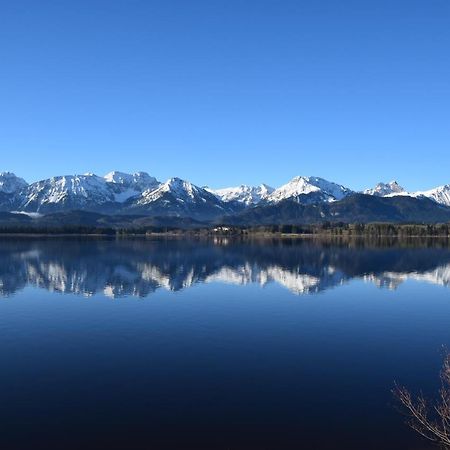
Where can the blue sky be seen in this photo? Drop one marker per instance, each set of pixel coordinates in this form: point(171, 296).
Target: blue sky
point(228, 92)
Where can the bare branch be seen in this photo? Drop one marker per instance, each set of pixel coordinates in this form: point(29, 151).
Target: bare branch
point(431, 421)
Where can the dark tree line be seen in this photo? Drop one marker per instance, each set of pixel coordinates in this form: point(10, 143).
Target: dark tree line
point(326, 228)
point(359, 229)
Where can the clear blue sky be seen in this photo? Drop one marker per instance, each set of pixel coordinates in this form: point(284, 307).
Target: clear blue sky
point(227, 92)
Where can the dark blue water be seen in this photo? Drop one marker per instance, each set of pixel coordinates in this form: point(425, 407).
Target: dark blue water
point(183, 344)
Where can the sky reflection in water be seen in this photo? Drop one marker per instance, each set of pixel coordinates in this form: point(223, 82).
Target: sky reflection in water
point(211, 359)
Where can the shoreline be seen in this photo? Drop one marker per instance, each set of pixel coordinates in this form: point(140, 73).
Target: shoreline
point(247, 235)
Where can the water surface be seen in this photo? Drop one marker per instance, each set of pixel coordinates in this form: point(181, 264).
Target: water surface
point(195, 344)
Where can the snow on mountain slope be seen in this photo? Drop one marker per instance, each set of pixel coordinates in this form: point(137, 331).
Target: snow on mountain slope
point(181, 190)
point(138, 180)
point(179, 198)
point(10, 183)
point(309, 189)
point(127, 185)
point(86, 191)
point(386, 189)
point(72, 191)
point(440, 194)
point(247, 195)
point(119, 192)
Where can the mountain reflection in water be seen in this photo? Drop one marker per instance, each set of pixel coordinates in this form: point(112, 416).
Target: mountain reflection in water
point(138, 267)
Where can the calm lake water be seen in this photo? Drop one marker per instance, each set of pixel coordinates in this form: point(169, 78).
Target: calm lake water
point(184, 344)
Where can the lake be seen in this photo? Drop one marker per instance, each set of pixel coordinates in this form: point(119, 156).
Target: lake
point(217, 344)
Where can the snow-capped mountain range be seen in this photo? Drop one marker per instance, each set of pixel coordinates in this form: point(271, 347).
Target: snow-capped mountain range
point(140, 193)
point(440, 195)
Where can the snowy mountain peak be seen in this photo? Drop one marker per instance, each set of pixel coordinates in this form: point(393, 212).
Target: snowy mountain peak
point(440, 194)
point(117, 177)
point(181, 189)
point(313, 187)
point(247, 195)
point(175, 181)
point(126, 186)
point(10, 183)
point(177, 197)
point(385, 189)
point(128, 180)
point(179, 186)
point(74, 191)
